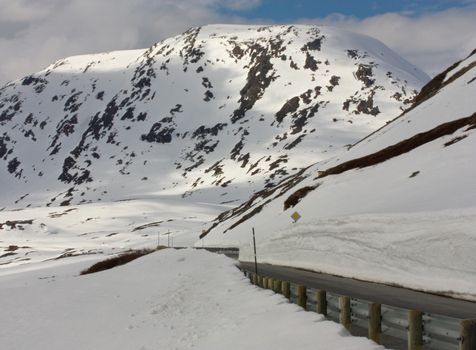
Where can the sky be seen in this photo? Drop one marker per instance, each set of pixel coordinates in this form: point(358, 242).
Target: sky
point(432, 34)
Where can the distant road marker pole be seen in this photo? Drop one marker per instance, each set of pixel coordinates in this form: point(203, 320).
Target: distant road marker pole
point(254, 245)
point(168, 238)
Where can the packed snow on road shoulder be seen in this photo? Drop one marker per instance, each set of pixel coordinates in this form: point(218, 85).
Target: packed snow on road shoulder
point(172, 299)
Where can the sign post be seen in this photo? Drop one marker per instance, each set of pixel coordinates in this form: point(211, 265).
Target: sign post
point(254, 245)
point(168, 238)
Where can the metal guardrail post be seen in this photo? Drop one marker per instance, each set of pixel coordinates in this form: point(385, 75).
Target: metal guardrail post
point(436, 331)
point(375, 322)
point(277, 286)
point(270, 283)
point(286, 289)
point(344, 314)
point(321, 298)
point(301, 296)
point(415, 330)
point(468, 335)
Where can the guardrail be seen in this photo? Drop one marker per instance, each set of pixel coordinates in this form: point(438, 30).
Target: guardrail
point(230, 252)
point(387, 325)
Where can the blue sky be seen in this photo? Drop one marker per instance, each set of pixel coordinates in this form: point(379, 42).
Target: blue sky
point(289, 10)
point(431, 34)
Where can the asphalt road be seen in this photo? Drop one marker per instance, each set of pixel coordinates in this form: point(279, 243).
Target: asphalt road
point(375, 292)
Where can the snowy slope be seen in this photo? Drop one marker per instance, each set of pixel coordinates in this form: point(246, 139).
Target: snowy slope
point(217, 112)
point(167, 300)
point(397, 207)
point(33, 235)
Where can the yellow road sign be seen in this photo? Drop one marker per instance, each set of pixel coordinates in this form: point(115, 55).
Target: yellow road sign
point(295, 216)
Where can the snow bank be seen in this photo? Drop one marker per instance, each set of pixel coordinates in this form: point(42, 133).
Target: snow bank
point(431, 251)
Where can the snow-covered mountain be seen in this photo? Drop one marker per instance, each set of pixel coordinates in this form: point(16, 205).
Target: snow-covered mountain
point(218, 112)
point(106, 152)
point(399, 206)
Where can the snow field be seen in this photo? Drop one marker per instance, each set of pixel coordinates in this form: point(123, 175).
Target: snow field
point(172, 299)
point(395, 249)
point(99, 228)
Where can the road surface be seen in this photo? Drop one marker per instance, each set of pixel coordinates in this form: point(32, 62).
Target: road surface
point(375, 292)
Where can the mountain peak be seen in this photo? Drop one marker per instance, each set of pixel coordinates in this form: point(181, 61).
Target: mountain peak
point(218, 112)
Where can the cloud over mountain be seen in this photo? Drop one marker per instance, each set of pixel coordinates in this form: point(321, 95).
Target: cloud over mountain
point(34, 33)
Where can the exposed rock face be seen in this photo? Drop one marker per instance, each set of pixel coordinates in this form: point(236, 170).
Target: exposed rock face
point(217, 107)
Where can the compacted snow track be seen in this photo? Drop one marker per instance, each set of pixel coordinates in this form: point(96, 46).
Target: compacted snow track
point(171, 299)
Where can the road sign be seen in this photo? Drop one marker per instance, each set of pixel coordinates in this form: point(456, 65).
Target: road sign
point(295, 216)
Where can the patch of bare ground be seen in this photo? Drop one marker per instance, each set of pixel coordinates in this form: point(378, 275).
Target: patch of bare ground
point(14, 260)
point(15, 224)
point(455, 140)
point(438, 82)
point(55, 215)
point(403, 146)
point(387, 153)
point(122, 259)
point(294, 199)
point(69, 252)
point(142, 227)
point(11, 250)
point(429, 90)
point(433, 86)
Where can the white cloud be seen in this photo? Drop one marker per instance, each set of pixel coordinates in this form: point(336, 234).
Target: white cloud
point(431, 41)
point(34, 33)
point(23, 10)
point(242, 4)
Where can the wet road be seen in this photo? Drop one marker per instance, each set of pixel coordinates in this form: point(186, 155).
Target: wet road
point(375, 292)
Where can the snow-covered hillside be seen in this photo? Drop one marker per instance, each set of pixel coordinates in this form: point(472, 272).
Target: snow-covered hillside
point(218, 111)
point(397, 207)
